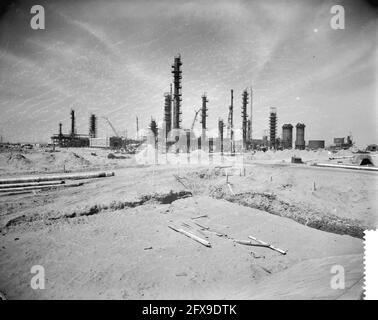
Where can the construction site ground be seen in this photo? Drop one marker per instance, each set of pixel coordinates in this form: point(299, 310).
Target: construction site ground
point(110, 238)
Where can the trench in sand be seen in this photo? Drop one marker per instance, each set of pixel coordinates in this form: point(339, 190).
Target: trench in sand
point(271, 203)
point(309, 217)
point(161, 198)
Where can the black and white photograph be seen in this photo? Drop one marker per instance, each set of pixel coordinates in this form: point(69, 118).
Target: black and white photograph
point(187, 150)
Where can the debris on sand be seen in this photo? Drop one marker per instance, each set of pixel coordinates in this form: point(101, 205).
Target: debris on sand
point(198, 217)
point(268, 245)
point(113, 156)
point(192, 236)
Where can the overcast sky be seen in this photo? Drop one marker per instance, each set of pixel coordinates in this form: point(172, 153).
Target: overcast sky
point(113, 58)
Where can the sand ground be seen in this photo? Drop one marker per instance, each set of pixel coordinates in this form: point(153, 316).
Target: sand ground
point(110, 238)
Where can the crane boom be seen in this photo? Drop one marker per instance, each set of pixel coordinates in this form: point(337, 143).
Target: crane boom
point(195, 118)
point(110, 124)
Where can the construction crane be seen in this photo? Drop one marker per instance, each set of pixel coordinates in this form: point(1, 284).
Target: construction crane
point(195, 118)
point(110, 124)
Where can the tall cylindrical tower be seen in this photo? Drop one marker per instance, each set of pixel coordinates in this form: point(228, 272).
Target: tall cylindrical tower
point(168, 112)
point(73, 129)
point(177, 76)
point(287, 136)
point(272, 127)
point(220, 134)
point(93, 126)
point(300, 136)
point(244, 117)
point(204, 110)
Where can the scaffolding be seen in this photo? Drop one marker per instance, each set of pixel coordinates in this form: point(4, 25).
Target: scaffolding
point(177, 77)
point(244, 117)
point(273, 128)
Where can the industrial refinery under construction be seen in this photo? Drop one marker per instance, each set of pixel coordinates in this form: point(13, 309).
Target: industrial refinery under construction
point(225, 171)
point(168, 193)
point(171, 130)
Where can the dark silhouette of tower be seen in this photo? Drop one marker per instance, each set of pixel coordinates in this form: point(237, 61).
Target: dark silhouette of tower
point(204, 110)
point(230, 124)
point(177, 77)
point(273, 127)
point(93, 126)
point(167, 112)
point(244, 117)
point(220, 134)
point(73, 129)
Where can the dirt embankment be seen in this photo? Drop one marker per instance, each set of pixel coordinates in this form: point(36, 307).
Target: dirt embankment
point(60, 160)
point(61, 213)
point(290, 192)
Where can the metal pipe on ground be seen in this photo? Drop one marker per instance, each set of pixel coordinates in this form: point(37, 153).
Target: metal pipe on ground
point(340, 166)
point(53, 186)
point(73, 176)
point(30, 184)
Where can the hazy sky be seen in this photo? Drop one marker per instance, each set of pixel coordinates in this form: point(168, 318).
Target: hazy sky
point(113, 58)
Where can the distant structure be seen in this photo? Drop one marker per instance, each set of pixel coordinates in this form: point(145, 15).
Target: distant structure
point(60, 129)
point(249, 134)
point(73, 139)
point(203, 122)
point(272, 127)
point(250, 119)
point(73, 124)
point(300, 134)
point(93, 126)
point(137, 127)
point(372, 147)
point(265, 139)
point(177, 77)
point(204, 110)
point(230, 123)
point(287, 136)
point(220, 134)
point(244, 116)
point(340, 143)
point(168, 112)
point(316, 144)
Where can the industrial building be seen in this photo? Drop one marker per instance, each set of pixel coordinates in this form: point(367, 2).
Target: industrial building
point(172, 130)
point(73, 139)
point(340, 143)
point(316, 144)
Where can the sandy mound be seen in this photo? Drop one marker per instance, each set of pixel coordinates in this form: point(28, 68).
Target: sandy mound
point(19, 161)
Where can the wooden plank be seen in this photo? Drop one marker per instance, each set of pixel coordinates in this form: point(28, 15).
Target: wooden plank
point(192, 236)
point(203, 216)
point(268, 245)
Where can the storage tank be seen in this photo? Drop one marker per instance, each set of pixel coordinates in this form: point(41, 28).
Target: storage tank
point(300, 134)
point(287, 136)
